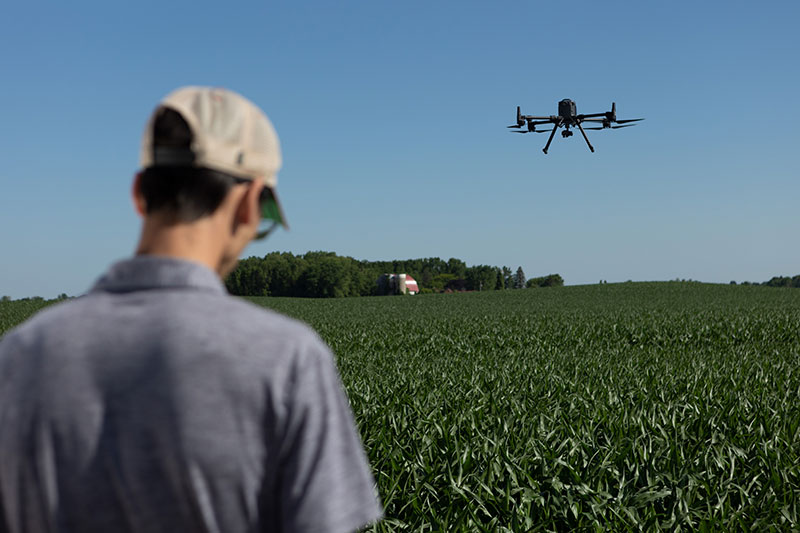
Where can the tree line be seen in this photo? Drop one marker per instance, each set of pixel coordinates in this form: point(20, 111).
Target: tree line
point(778, 281)
point(327, 275)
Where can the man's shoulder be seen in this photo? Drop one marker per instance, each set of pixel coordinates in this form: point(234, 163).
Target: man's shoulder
point(245, 331)
point(252, 319)
point(232, 319)
point(255, 329)
point(52, 314)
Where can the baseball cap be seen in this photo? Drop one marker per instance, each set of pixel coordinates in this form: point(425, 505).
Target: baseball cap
point(230, 134)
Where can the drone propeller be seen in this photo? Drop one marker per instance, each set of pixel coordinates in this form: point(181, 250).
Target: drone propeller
point(514, 126)
point(628, 120)
point(612, 127)
point(529, 131)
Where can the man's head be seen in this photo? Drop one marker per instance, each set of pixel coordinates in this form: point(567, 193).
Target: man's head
point(209, 169)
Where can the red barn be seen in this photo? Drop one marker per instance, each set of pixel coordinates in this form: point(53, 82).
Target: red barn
point(397, 284)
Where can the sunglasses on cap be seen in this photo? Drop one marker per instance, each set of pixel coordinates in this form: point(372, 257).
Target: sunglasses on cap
point(271, 214)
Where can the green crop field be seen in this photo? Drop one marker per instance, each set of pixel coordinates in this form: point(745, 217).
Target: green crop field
point(14, 312)
point(624, 407)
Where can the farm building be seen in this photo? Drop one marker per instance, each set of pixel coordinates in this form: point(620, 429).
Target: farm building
point(397, 284)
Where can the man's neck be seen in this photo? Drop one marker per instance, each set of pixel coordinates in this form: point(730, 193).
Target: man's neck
point(197, 241)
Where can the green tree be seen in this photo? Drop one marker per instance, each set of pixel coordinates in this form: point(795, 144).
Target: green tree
point(456, 267)
point(551, 280)
point(427, 277)
point(519, 279)
point(440, 281)
point(481, 278)
point(507, 278)
point(779, 281)
point(324, 277)
point(285, 269)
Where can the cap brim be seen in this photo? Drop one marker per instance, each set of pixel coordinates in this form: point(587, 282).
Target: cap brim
point(271, 207)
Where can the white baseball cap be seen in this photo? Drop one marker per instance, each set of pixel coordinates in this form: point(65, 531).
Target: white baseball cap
point(230, 134)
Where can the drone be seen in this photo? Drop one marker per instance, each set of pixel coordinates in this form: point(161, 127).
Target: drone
point(568, 116)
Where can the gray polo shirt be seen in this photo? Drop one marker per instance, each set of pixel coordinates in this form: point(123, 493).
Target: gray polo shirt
point(160, 403)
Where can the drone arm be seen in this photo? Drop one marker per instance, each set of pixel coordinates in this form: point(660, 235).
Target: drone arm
point(585, 137)
point(552, 134)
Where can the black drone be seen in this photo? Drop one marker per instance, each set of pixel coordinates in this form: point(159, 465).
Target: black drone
point(568, 116)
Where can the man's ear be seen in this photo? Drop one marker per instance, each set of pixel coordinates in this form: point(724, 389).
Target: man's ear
point(249, 211)
point(136, 194)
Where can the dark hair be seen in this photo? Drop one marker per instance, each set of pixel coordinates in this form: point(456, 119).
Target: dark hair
point(184, 192)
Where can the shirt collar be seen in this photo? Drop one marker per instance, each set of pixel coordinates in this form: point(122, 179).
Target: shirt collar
point(143, 272)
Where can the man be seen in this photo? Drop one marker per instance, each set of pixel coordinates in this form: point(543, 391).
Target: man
point(157, 402)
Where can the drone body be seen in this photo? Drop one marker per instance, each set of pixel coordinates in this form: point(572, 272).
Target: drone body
point(567, 117)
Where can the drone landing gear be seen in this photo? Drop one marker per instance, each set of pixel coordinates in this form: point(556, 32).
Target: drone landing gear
point(585, 137)
point(552, 134)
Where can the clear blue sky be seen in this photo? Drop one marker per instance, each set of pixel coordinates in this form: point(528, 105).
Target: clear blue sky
point(392, 117)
